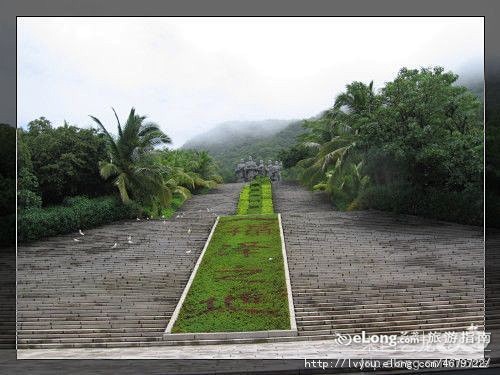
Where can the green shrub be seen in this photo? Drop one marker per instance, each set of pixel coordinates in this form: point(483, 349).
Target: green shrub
point(75, 213)
point(256, 197)
point(243, 202)
point(267, 198)
point(177, 201)
point(461, 207)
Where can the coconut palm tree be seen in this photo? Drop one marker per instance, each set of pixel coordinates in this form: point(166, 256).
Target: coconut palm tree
point(132, 160)
point(358, 99)
point(335, 166)
point(191, 169)
point(334, 139)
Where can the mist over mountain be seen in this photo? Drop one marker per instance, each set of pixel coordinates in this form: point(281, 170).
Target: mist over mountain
point(472, 77)
point(236, 130)
point(233, 140)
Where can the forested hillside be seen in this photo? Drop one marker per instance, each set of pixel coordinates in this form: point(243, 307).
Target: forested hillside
point(229, 142)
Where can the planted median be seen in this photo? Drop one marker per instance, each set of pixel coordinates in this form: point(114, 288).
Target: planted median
point(240, 283)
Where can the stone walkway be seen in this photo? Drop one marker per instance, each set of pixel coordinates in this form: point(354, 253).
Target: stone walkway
point(350, 271)
point(89, 294)
point(283, 350)
point(372, 271)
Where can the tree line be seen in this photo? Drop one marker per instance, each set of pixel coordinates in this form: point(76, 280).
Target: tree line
point(57, 164)
point(414, 146)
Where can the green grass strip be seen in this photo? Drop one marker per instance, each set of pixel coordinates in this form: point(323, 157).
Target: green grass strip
point(243, 202)
point(267, 198)
point(240, 284)
point(256, 198)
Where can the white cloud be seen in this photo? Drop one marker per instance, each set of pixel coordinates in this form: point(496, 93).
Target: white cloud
point(188, 74)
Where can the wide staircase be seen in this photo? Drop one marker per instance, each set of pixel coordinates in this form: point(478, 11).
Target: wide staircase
point(91, 293)
point(372, 271)
point(349, 271)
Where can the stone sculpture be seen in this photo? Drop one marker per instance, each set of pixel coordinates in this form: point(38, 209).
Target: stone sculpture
point(261, 168)
point(250, 169)
point(240, 171)
point(247, 171)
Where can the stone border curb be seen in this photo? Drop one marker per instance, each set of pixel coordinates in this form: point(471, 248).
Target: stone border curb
point(229, 335)
point(291, 307)
point(177, 310)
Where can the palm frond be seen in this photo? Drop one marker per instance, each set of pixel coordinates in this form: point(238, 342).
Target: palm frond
point(120, 133)
point(108, 169)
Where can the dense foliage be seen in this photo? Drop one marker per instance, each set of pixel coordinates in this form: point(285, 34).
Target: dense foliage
point(57, 163)
point(76, 213)
point(64, 160)
point(416, 146)
point(148, 175)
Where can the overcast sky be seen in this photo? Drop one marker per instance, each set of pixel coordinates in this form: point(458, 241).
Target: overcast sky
point(189, 74)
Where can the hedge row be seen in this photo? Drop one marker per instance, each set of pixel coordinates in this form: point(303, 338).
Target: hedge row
point(463, 207)
point(256, 198)
point(267, 197)
point(75, 213)
point(243, 201)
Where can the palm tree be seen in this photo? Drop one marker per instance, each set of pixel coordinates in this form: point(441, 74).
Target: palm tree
point(334, 140)
point(191, 169)
point(336, 166)
point(358, 99)
point(132, 160)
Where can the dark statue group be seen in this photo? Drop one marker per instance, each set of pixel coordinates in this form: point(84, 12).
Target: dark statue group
point(247, 170)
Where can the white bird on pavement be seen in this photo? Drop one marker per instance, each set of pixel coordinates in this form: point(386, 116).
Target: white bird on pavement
point(187, 252)
point(138, 219)
point(177, 217)
point(165, 222)
point(129, 239)
point(472, 327)
point(114, 246)
point(189, 231)
point(76, 240)
point(81, 233)
point(208, 209)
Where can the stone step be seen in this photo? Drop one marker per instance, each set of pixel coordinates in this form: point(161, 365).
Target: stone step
point(373, 323)
point(387, 317)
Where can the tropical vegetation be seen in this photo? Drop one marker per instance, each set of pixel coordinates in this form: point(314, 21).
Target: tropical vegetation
point(66, 172)
point(414, 146)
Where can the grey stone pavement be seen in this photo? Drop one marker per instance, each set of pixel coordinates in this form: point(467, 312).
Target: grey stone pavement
point(377, 272)
point(93, 293)
point(350, 271)
point(284, 350)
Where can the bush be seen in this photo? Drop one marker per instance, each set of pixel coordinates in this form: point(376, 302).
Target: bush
point(177, 201)
point(243, 202)
point(461, 207)
point(75, 213)
point(256, 197)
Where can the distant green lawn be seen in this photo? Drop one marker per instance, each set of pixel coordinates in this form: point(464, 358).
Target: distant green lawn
point(240, 284)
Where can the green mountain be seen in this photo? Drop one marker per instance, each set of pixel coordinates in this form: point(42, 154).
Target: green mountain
point(231, 141)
